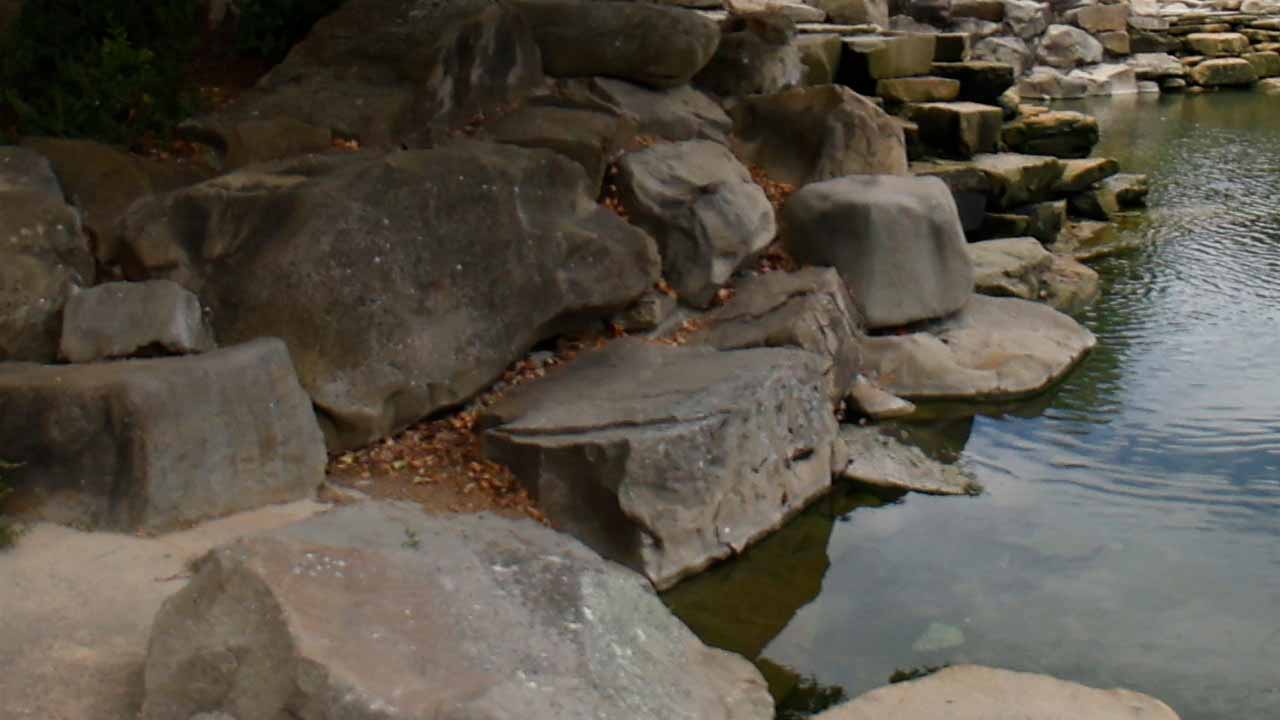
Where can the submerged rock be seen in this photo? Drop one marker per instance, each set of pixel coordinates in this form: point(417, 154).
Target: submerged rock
point(376, 611)
point(875, 458)
point(938, 636)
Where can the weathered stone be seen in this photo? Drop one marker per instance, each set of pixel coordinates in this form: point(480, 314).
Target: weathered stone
point(1111, 196)
point(43, 257)
point(1002, 225)
point(896, 241)
point(1144, 41)
point(811, 134)
point(1050, 83)
point(918, 89)
point(1270, 86)
point(1265, 64)
point(657, 46)
point(1010, 101)
point(977, 28)
point(1019, 179)
point(980, 81)
point(874, 402)
point(1156, 66)
point(1060, 133)
point(680, 113)
point(378, 271)
point(127, 445)
point(1022, 268)
point(1086, 240)
point(989, 10)
point(1224, 71)
point(1011, 51)
point(820, 56)
point(868, 58)
point(970, 692)
point(1027, 19)
point(882, 461)
point(1078, 175)
point(951, 47)
point(1066, 47)
point(969, 188)
point(1173, 85)
point(1100, 18)
point(1217, 44)
point(810, 309)
point(855, 12)
point(1115, 42)
point(370, 612)
point(1108, 79)
point(120, 319)
point(1044, 219)
point(958, 129)
point(658, 458)
point(996, 348)
point(593, 138)
point(757, 54)
point(648, 313)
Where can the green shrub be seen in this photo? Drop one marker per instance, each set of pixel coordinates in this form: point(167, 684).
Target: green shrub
point(269, 28)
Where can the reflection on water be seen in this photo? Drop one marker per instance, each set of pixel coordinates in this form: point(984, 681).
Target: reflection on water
point(1130, 534)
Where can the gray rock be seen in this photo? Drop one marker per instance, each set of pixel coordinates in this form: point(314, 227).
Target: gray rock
point(1049, 83)
point(43, 257)
point(1111, 196)
point(875, 402)
point(1097, 19)
point(809, 309)
point(980, 81)
point(1115, 42)
point(379, 271)
point(757, 54)
point(1086, 240)
point(996, 348)
point(659, 458)
point(1107, 79)
point(648, 313)
point(1078, 175)
point(377, 611)
point(969, 692)
point(155, 444)
point(1044, 219)
point(703, 208)
point(1060, 133)
point(680, 113)
point(658, 46)
point(970, 187)
point(1012, 51)
point(896, 241)
point(1022, 268)
point(818, 133)
point(921, 89)
point(1156, 66)
point(1025, 18)
point(977, 28)
point(882, 461)
point(1216, 44)
point(856, 12)
point(122, 319)
point(1018, 180)
point(1224, 71)
point(958, 129)
point(1065, 47)
point(591, 137)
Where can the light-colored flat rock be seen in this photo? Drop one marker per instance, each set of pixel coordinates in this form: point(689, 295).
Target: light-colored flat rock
point(882, 461)
point(877, 403)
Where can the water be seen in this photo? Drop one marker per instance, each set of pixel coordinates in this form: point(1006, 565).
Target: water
point(1130, 535)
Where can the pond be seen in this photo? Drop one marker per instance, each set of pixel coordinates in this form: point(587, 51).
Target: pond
point(1130, 532)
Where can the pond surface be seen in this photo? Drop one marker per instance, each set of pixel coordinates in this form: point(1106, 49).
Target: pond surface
point(1130, 532)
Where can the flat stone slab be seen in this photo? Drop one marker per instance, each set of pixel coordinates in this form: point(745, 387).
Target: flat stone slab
point(876, 403)
point(378, 611)
point(971, 692)
point(78, 609)
point(1022, 268)
point(995, 348)
point(123, 319)
point(877, 459)
point(664, 458)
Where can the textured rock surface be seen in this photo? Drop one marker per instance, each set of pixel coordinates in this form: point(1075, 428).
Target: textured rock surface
point(868, 58)
point(980, 81)
point(680, 113)
point(702, 207)
point(1063, 46)
point(122, 319)
point(1107, 79)
point(1026, 18)
point(820, 56)
point(1018, 180)
point(882, 461)
point(127, 445)
point(818, 133)
point(591, 137)
point(970, 692)
point(1051, 83)
point(958, 129)
point(876, 403)
point(996, 348)
point(1060, 133)
point(43, 257)
point(1111, 196)
point(1022, 268)
point(1216, 44)
point(373, 611)
point(918, 89)
point(1224, 71)
point(856, 12)
point(1012, 51)
point(658, 457)
point(379, 271)
point(757, 54)
point(1078, 175)
point(896, 241)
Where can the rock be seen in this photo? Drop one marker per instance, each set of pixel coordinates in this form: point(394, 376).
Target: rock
point(1109, 79)
point(1010, 101)
point(370, 611)
point(922, 89)
point(820, 56)
point(1086, 240)
point(1115, 42)
point(970, 692)
point(702, 207)
point(1270, 86)
point(1143, 41)
point(1070, 286)
point(43, 258)
point(1111, 196)
point(978, 29)
point(969, 188)
point(1097, 19)
point(951, 47)
point(938, 637)
point(855, 12)
point(1217, 44)
point(868, 58)
point(1050, 83)
point(593, 138)
point(1173, 85)
point(996, 348)
point(874, 402)
point(1065, 47)
point(658, 458)
point(980, 81)
point(958, 129)
point(379, 271)
point(1011, 51)
point(757, 54)
point(882, 461)
point(1003, 225)
point(1156, 66)
point(1078, 175)
point(1022, 268)
point(648, 313)
point(1148, 87)
point(810, 309)
point(649, 44)
point(120, 319)
point(1019, 179)
point(1044, 219)
point(1025, 18)
point(126, 445)
point(812, 134)
point(384, 72)
point(1060, 133)
point(989, 10)
point(680, 113)
point(896, 241)
point(1265, 64)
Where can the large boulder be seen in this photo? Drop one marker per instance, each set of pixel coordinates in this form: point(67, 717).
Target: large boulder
point(659, 458)
point(970, 692)
point(646, 43)
point(1026, 18)
point(1216, 44)
point(1044, 82)
point(1012, 51)
point(810, 309)
point(995, 349)
point(680, 113)
point(702, 207)
point(1224, 71)
point(45, 256)
point(817, 133)
point(1060, 133)
point(1065, 47)
point(757, 54)
point(386, 73)
point(593, 137)
point(120, 319)
point(377, 611)
point(1097, 19)
point(379, 271)
point(156, 444)
point(896, 241)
